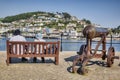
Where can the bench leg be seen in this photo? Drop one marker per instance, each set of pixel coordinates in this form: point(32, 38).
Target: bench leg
point(8, 61)
point(56, 60)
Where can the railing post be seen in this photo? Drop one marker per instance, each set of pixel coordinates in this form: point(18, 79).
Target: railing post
point(111, 41)
point(61, 42)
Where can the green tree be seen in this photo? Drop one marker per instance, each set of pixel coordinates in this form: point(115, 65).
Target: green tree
point(118, 27)
point(86, 21)
point(66, 15)
point(116, 30)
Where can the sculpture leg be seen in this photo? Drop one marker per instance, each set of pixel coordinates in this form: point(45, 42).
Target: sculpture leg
point(76, 60)
point(84, 63)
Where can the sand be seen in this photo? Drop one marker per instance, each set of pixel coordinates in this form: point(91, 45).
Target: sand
point(49, 71)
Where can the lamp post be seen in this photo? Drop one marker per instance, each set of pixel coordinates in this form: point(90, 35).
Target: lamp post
point(61, 41)
point(111, 41)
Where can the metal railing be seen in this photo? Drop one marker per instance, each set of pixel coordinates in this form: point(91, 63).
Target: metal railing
point(111, 41)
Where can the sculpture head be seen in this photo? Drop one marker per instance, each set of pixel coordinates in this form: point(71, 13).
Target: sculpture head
point(91, 31)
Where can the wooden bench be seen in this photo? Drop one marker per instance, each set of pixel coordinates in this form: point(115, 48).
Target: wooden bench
point(32, 49)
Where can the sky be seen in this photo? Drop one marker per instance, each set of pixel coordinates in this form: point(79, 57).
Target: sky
point(103, 12)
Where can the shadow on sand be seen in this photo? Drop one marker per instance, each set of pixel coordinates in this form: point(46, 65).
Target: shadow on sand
point(30, 60)
point(90, 63)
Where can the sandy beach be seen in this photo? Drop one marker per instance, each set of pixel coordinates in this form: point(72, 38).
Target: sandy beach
point(49, 71)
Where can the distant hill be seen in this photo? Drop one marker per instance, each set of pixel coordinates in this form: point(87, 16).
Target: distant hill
point(30, 14)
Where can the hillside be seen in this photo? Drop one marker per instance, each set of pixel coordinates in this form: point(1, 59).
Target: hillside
point(35, 14)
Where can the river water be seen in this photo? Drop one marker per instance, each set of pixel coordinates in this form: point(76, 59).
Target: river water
point(67, 45)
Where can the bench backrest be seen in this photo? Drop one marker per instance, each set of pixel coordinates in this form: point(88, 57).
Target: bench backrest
point(19, 47)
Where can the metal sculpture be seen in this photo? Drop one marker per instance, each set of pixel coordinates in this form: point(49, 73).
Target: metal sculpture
point(86, 52)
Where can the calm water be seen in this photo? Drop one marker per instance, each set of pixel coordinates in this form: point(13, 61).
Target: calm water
point(67, 45)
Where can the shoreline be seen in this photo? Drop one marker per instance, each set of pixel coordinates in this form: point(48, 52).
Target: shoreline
point(71, 42)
